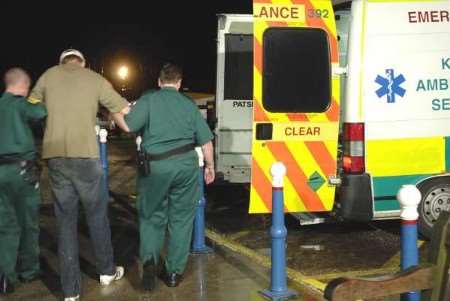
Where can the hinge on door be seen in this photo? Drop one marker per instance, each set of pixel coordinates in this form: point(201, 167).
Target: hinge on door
point(337, 70)
point(334, 180)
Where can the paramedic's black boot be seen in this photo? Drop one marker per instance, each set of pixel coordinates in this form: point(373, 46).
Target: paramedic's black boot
point(6, 287)
point(170, 279)
point(149, 275)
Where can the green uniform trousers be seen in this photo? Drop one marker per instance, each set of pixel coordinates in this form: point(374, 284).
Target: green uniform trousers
point(167, 199)
point(19, 224)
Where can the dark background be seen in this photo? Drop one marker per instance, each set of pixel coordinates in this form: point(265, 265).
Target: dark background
point(185, 35)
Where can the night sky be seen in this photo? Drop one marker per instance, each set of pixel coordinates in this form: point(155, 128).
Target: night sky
point(185, 36)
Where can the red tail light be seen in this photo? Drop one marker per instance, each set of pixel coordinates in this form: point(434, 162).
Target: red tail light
point(353, 161)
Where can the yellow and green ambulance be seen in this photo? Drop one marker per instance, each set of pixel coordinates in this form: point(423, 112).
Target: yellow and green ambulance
point(352, 96)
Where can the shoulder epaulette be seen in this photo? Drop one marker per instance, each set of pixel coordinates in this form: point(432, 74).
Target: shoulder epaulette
point(33, 100)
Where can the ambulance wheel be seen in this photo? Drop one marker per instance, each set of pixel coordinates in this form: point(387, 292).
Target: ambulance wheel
point(435, 199)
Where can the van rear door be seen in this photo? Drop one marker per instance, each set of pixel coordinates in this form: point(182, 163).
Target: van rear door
point(234, 97)
point(295, 103)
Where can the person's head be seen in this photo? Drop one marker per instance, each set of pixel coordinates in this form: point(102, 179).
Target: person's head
point(17, 81)
point(170, 76)
point(72, 56)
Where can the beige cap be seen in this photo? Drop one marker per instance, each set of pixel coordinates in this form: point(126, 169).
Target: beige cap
point(68, 52)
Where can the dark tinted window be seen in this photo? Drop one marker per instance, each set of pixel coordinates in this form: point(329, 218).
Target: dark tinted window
point(238, 66)
point(296, 66)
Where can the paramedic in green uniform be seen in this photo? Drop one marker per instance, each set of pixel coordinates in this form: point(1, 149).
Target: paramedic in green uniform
point(167, 197)
point(19, 182)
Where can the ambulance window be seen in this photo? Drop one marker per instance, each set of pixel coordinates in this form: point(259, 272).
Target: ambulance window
point(296, 70)
point(238, 66)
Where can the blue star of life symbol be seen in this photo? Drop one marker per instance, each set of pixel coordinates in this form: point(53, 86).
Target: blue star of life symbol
point(390, 85)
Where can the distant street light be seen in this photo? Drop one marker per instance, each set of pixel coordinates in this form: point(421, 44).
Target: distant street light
point(123, 75)
point(123, 72)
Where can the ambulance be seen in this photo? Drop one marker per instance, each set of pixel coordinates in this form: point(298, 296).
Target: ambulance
point(352, 96)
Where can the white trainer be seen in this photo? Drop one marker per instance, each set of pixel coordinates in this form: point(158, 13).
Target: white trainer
point(76, 298)
point(107, 279)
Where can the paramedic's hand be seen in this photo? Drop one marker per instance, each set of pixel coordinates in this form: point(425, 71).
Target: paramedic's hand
point(209, 174)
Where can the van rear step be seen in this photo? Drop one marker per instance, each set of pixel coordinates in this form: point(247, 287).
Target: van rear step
point(309, 218)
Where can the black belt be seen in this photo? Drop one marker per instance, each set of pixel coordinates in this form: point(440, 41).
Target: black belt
point(176, 151)
point(10, 160)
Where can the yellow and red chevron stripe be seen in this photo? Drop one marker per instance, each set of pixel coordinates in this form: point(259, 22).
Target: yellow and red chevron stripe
point(305, 160)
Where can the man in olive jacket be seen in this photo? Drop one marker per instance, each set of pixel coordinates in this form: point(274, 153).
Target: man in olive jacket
point(72, 94)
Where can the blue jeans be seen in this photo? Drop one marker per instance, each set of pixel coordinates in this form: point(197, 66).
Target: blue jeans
point(73, 180)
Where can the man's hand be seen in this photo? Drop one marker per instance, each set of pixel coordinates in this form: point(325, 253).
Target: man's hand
point(209, 174)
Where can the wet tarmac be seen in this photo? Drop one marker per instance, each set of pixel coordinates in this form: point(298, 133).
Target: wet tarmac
point(222, 275)
point(321, 251)
point(315, 249)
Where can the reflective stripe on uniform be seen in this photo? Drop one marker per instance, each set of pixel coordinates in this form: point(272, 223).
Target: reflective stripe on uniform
point(33, 100)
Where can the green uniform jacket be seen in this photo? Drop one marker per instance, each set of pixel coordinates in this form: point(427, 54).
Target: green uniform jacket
point(168, 119)
point(15, 134)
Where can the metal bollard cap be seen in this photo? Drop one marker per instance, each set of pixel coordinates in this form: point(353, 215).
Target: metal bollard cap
point(138, 143)
point(103, 135)
point(201, 158)
point(409, 198)
point(278, 171)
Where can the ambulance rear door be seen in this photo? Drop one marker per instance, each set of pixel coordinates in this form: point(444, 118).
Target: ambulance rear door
point(295, 103)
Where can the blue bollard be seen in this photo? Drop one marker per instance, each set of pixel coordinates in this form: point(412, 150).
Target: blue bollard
point(198, 235)
point(103, 134)
point(278, 284)
point(409, 198)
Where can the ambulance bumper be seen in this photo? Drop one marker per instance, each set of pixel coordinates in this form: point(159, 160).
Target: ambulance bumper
point(355, 200)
